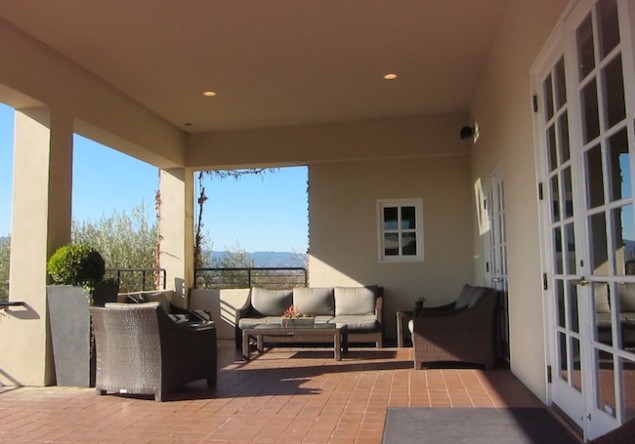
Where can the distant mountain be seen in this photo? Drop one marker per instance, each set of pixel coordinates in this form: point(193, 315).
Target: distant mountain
point(270, 258)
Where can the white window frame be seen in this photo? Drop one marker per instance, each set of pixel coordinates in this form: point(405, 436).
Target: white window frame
point(418, 230)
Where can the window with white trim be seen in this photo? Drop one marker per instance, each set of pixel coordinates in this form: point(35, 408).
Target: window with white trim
point(400, 230)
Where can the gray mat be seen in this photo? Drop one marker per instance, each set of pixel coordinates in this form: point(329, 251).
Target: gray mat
point(473, 426)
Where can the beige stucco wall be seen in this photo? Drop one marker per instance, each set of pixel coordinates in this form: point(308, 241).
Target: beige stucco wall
point(344, 229)
point(502, 108)
point(392, 138)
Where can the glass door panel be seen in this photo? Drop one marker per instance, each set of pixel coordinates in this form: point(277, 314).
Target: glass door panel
point(588, 131)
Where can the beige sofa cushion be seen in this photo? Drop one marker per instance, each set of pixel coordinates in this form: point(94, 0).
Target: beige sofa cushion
point(270, 302)
point(314, 301)
point(355, 300)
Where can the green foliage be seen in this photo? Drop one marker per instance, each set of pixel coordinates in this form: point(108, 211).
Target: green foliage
point(124, 240)
point(76, 264)
point(5, 253)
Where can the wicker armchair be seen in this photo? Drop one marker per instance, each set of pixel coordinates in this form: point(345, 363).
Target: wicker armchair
point(141, 350)
point(465, 334)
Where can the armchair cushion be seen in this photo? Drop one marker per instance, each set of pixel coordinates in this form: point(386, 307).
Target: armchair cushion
point(469, 296)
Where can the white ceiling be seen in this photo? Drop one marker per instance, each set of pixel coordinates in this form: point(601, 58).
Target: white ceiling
point(274, 62)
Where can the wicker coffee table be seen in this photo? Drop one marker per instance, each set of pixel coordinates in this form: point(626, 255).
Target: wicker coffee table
point(337, 333)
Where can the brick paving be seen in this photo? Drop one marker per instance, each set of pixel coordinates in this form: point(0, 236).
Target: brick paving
point(286, 395)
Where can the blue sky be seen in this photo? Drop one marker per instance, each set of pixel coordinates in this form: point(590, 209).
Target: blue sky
point(267, 213)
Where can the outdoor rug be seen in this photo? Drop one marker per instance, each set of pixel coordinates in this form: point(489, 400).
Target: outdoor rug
point(473, 426)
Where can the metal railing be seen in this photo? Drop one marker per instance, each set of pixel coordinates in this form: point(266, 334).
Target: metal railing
point(266, 277)
point(138, 279)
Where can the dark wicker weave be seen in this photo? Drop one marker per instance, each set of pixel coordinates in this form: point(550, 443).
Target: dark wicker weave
point(141, 350)
point(465, 335)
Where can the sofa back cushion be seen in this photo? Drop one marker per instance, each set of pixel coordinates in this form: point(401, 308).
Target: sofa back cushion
point(355, 300)
point(314, 301)
point(270, 302)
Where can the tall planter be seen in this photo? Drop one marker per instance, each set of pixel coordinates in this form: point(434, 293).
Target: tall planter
point(105, 291)
point(69, 318)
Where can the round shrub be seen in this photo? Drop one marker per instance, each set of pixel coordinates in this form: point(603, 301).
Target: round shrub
point(76, 264)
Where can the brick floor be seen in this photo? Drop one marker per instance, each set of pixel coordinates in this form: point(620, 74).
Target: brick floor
point(289, 395)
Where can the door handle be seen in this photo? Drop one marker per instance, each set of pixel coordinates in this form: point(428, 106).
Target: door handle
point(582, 281)
point(497, 280)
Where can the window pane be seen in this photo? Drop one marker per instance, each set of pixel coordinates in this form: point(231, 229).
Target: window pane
point(552, 148)
point(609, 26)
point(567, 193)
point(599, 251)
point(591, 123)
point(563, 126)
point(623, 240)
point(626, 301)
point(603, 323)
point(548, 89)
point(620, 166)
point(557, 248)
point(559, 83)
point(595, 177)
point(562, 354)
point(613, 83)
point(391, 244)
point(409, 244)
point(555, 199)
point(574, 319)
point(576, 368)
point(408, 218)
point(605, 396)
point(561, 305)
point(628, 378)
point(570, 259)
point(391, 221)
point(586, 54)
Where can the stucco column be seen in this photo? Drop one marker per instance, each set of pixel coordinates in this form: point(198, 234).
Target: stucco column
point(176, 228)
point(42, 185)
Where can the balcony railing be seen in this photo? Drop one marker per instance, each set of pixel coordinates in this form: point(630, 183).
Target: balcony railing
point(138, 279)
point(272, 277)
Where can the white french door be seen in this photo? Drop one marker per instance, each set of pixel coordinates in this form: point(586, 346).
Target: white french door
point(496, 247)
point(585, 114)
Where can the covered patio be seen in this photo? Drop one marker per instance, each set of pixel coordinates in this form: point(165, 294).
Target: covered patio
point(286, 395)
point(451, 142)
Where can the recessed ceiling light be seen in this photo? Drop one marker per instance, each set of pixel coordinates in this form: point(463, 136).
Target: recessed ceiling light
point(209, 93)
point(390, 76)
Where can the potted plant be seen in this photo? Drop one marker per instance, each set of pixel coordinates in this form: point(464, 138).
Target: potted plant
point(292, 317)
point(77, 272)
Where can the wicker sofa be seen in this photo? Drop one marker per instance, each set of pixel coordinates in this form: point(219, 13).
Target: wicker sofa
point(140, 350)
point(462, 331)
point(360, 308)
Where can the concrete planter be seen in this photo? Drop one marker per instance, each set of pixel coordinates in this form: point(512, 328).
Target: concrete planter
point(69, 319)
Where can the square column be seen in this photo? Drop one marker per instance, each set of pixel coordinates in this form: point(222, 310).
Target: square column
point(176, 230)
point(43, 154)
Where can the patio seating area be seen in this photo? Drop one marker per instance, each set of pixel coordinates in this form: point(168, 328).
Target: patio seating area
point(286, 395)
